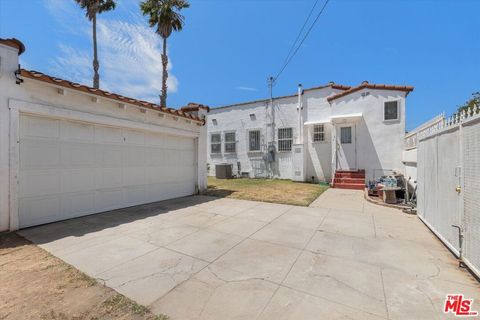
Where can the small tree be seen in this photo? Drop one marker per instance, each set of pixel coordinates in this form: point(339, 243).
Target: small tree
point(92, 8)
point(165, 17)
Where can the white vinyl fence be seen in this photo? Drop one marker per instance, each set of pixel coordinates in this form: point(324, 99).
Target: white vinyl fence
point(449, 184)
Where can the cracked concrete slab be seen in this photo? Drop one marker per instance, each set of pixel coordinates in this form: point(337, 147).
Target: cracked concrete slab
point(217, 294)
point(282, 234)
point(207, 245)
point(289, 304)
point(356, 284)
point(260, 259)
point(238, 226)
point(152, 275)
point(202, 258)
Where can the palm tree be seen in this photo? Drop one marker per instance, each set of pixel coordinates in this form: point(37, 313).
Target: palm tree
point(165, 17)
point(94, 7)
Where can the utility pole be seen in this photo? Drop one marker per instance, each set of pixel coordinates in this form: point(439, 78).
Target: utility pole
point(270, 137)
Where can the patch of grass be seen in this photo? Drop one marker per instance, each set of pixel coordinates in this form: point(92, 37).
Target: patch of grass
point(160, 317)
point(120, 302)
point(267, 190)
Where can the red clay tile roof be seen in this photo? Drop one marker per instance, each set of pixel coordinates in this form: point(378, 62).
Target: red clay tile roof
point(192, 107)
point(102, 93)
point(366, 85)
point(14, 43)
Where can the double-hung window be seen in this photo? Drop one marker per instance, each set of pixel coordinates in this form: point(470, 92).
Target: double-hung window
point(230, 142)
point(285, 139)
point(318, 132)
point(390, 111)
point(215, 143)
point(254, 140)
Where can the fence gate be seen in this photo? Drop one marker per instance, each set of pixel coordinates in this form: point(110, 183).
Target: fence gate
point(449, 184)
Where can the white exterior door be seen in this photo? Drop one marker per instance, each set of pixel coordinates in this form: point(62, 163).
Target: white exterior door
point(346, 146)
point(70, 169)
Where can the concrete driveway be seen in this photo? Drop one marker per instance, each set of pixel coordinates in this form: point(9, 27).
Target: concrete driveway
point(208, 258)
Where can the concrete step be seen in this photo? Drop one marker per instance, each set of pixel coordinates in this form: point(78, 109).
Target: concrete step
point(350, 180)
point(356, 175)
point(355, 186)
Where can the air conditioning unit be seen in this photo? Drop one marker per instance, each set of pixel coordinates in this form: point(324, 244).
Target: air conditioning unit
point(223, 171)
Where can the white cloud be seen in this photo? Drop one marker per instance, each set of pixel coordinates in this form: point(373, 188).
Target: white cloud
point(129, 55)
point(246, 88)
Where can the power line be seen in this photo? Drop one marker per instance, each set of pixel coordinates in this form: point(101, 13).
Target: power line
point(301, 42)
point(301, 30)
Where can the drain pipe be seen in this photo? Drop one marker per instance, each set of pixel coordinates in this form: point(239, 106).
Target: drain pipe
point(300, 115)
point(460, 244)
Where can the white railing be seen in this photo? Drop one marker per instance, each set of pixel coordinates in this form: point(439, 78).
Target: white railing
point(411, 138)
point(452, 121)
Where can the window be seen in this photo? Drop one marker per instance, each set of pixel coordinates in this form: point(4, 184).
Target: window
point(254, 140)
point(391, 110)
point(215, 143)
point(285, 139)
point(230, 142)
point(346, 135)
point(318, 132)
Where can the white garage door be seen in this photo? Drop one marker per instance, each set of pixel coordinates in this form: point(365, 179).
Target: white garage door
point(69, 169)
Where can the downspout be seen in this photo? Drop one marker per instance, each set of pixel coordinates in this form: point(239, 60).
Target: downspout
point(300, 115)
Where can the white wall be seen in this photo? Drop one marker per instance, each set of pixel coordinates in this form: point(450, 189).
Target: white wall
point(379, 142)
point(35, 95)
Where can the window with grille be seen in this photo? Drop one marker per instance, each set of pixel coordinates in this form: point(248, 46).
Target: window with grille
point(215, 143)
point(254, 140)
point(230, 142)
point(285, 139)
point(318, 132)
point(346, 135)
point(390, 110)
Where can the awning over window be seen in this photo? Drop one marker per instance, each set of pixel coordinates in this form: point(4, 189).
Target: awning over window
point(346, 117)
point(311, 123)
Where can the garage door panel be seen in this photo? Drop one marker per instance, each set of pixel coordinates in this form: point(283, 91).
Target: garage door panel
point(155, 140)
point(109, 199)
point(78, 204)
point(134, 137)
point(39, 127)
point(154, 156)
point(77, 180)
point(39, 183)
point(109, 156)
point(134, 155)
point(135, 195)
point(38, 210)
point(134, 176)
point(107, 178)
point(72, 169)
point(76, 154)
point(77, 131)
point(108, 135)
point(39, 154)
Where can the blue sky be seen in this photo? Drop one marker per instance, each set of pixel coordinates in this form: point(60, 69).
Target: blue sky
point(229, 47)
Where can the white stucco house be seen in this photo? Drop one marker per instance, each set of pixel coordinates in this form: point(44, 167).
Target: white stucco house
point(68, 150)
point(351, 133)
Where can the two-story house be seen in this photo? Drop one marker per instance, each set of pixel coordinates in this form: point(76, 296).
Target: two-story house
point(313, 135)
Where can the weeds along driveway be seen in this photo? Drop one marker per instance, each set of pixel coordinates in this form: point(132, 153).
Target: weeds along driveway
point(208, 258)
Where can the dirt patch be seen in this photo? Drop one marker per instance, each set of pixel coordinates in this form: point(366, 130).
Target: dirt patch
point(267, 190)
point(37, 285)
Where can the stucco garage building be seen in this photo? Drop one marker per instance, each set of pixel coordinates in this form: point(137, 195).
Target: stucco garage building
point(68, 150)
